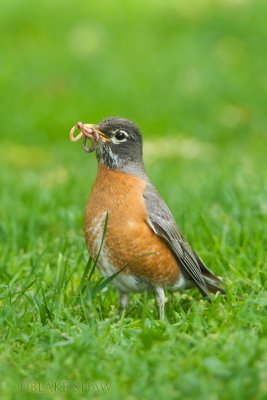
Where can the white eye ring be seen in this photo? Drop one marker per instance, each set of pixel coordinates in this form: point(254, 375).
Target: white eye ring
point(116, 140)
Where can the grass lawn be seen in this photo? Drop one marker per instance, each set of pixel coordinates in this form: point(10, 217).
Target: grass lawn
point(193, 76)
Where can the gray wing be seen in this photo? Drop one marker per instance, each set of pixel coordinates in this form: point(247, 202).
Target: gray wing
point(163, 224)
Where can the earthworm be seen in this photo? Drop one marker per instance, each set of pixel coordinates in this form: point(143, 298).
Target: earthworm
point(87, 132)
point(88, 149)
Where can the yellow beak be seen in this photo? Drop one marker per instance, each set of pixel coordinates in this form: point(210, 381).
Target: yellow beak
point(101, 134)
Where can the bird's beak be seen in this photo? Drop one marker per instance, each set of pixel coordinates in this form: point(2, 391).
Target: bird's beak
point(88, 131)
point(93, 130)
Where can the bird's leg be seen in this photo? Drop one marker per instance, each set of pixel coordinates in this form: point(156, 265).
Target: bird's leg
point(124, 300)
point(160, 299)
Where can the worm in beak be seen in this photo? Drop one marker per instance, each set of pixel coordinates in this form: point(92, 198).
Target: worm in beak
point(87, 131)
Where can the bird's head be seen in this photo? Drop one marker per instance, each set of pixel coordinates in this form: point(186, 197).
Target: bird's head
point(117, 141)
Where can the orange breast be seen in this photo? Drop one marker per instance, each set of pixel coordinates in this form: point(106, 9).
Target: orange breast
point(129, 238)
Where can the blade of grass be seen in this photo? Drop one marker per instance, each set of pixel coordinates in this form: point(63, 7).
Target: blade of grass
point(104, 282)
point(100, 248)
point(23, 291)
point(49, 315)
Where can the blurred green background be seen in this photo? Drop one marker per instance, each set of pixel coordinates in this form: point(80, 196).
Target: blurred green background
point(193, 76)
point(197, 67)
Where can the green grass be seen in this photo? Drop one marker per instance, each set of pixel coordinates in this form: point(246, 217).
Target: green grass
point(193, 76)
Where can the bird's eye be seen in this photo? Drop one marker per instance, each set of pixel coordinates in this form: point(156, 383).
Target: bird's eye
point(120, 135)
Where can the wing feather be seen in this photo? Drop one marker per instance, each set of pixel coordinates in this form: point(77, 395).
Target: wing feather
point(163, 224)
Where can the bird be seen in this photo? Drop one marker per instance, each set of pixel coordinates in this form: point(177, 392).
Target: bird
point(143, 248)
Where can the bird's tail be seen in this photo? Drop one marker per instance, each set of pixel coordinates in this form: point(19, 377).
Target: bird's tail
point(212, 281)
point(212, 286)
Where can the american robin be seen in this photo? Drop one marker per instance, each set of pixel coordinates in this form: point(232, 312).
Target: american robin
point(142, 239)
